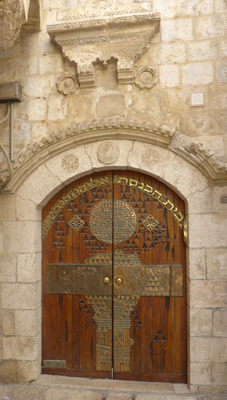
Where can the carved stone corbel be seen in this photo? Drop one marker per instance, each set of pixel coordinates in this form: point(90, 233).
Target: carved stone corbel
point(96, 32)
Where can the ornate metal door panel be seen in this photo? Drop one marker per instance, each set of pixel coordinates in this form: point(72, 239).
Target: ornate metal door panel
point(114, 294)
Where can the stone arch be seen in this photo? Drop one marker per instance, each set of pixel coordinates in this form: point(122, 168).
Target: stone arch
point(62, 158)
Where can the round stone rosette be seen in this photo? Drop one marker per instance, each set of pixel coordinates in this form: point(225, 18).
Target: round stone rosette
point(146, 78)
point(67, 84)
point(101, 221)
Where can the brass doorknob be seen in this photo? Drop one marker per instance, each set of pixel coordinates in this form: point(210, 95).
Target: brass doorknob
point(119, 281)
point(106, 280)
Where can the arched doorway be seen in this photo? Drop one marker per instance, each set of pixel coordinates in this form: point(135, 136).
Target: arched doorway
point(114, 279)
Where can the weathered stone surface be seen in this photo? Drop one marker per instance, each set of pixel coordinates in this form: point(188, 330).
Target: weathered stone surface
point(7, 318)
point(26, 392)
point(197, 74)
point(206, 294)
point(215, 227)
point(20, 236)
point(19, 348)
point(36, 109)
point(197, 268)
point(203, 50)
point(200, 374)
point(204, 350)
point(19, 296)
point(7, 207)
point(220, 322)
point(168, 53)
point(198, 198)
point(110, 105)
point(28, 370)
point(26, 210)
point(172, 30)
point(57, 107)
point(8, 371)
point(26, 322)
point(169, 76)
point(220, 6)
point(200, 322)
point(221, 71)
point(121, 150)
point(27, 267)
point(210, 27)
point(56, 394)
point(7, 266)
point(80, 107)
point(218, 373)
point(163, 397)
point(224, 48)
point(216, 263)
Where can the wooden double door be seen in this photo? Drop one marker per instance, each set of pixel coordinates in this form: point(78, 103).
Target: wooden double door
point(114, 284)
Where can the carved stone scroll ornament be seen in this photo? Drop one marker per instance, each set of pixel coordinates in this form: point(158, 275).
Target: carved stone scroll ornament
point(101, 30)
point(108, 153)
point(146, 78)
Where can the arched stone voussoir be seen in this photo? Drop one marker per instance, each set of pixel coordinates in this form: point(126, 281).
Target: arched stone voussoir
point(38, 153)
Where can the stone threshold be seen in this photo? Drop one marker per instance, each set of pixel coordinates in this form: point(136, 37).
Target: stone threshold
point(110, 385)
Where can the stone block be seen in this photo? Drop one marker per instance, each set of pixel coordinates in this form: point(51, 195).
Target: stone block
point(200, 374)
point(26, 322)
point(216, 263)
point(169, 76)
point(163, 397)
point(51, 63)
point(26, 210)
point(41, 186)
point(205, 350)
point(197, 267)
point(197, 74)
point(19, 348)
point(81, 108)
point(207, 294)
point(204, 50)
point(25, 392)
point(28, 371)
point(8, 372)
point(19, 296)
point(200, 322)
point(8, 267)
point(57, 107)
point(220, 6)
point(207, 230)
point(56, 394)
point(20, 236)
point(2, 241)
point(221, 71)
point(178, 29)
point(38, 130)
point(199, 202)
point(167, 53)
point(220, 322)
point(34, 108)
point(36, 86)
point(210, 27)
point(218, 373)
point(69, 163)
point(27, 268)
point(111, 105)
point(7, 207)
point(217, 97)
point(224, 48)
point(8, 324)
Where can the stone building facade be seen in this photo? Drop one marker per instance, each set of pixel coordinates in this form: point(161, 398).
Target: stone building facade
point(162, 101)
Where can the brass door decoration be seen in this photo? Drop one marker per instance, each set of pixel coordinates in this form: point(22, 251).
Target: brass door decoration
point(114, 272)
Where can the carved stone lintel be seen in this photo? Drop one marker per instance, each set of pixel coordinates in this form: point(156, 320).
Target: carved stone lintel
point(99, 32)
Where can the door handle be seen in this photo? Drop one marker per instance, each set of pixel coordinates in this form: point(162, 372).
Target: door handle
point(119, 280)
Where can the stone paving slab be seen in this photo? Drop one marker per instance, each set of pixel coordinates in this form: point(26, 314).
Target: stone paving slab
point(36, 391)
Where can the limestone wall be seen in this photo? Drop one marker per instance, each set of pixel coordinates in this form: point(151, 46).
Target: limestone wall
point(189, 54)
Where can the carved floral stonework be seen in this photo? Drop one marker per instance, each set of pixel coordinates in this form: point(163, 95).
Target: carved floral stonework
point(108, 153)
point(70, 163)
point(101, 30)
point(146, 78)
point(67, 84)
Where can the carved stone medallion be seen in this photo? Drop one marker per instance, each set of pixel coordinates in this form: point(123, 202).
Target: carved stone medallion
point(146, 78)
point(101, 221)
point(70, 163)
point(67, 84)
point(108, 153)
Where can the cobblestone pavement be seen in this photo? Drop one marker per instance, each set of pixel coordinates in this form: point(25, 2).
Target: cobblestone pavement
point(64, 388)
